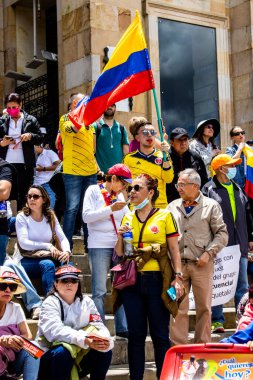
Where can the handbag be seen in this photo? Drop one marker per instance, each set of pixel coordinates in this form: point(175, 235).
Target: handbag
point(125, 274)
point(56, 240)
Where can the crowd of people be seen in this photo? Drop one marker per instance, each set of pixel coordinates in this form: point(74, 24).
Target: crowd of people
point(179, 201)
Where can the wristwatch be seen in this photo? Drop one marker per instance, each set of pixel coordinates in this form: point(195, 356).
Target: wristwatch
point(44, 169)
point(178, 274)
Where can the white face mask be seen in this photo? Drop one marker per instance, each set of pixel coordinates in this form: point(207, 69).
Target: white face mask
point(142, 204)
point(231, 173)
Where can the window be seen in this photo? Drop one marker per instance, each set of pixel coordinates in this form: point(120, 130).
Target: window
point(188, 74)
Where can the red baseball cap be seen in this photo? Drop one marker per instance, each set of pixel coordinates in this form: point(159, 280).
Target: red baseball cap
point(121, 171)
point(67, 271)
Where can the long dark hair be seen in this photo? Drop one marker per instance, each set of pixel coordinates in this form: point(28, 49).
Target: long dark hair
point(77, 295)
point(152, 184)
point(199, 136)
point(46, 211)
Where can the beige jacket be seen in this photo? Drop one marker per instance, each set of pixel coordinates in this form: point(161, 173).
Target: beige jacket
point(203, 229)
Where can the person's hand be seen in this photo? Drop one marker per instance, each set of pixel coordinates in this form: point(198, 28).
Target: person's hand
point(250, 345)
point(25, 137)
point(55, 253)
point(7, 141)
point(203, 260)
point(179, 287)
point(164, 147)
point(124, 229)
point(39, 168)
point(216, 152)
point(12, 341)
point(97, 344)
point(116, 206)
point(63, 257)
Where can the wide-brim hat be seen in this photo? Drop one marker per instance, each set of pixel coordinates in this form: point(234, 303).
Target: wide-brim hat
point(8, 276)
point(224, 159)
point(121, 171)
point(201, 125)
point(67, 271)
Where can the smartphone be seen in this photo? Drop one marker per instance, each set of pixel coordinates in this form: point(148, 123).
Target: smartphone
point(172, 293)
point(8, 137)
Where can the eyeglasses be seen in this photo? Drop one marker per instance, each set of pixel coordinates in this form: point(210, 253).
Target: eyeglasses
point(238, 133)
point(12, 108)
point(135, 188)
point(12, 287)
point(147, 132)
point(182, 185)
point(34, 196)
point(209, 126)
point(69, 281)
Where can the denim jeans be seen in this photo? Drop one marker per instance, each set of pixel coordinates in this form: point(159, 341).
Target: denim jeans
point(25, 364)
point(40, 268)
point(143, 305)
point(100, 260)
point(3, 246)
point(75, 187)
point(51, 194)
point(31, 298)
point(57, 364)
point(241, 289)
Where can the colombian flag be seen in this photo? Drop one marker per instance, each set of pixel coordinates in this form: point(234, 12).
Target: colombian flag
point(128, 73)
point(248, 152)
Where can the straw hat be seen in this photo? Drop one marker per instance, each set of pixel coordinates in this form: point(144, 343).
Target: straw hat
point(8, 276)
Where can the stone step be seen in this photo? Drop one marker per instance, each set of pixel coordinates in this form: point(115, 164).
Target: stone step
point(121, 372)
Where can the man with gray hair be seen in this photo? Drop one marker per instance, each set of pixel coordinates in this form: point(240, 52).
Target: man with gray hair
point(203, 234)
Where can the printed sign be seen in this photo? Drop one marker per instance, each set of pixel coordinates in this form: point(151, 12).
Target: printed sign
point(32, 349)
point(226, 270)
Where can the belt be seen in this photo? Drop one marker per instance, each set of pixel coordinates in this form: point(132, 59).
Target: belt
point(186, 261)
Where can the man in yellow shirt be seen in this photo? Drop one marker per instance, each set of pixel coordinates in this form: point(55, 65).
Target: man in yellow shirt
point(79, 167)
point(149, 160)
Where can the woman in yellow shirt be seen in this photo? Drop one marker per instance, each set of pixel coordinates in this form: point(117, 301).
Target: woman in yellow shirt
point(142, 302)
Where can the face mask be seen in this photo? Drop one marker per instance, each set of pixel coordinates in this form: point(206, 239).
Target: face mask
point(142, 204)
point(231, 173)
point(13, 112)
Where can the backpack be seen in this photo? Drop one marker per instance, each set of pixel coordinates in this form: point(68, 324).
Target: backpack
point(99, 127)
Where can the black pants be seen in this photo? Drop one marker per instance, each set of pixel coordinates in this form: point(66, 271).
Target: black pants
point(24, 181)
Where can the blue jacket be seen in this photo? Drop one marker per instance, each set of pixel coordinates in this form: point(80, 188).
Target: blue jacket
point(241, 336)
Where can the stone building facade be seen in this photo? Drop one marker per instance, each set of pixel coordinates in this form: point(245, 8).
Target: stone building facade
point(78, 31)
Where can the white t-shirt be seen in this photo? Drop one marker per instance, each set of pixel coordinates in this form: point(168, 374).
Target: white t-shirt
point(15, 156)
point(101, 233)
point(45, 159)
point(13, 315)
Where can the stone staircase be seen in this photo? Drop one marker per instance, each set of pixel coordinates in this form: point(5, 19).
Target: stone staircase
point(119, 366)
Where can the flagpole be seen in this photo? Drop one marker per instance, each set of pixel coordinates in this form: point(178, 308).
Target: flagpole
point(159, 119)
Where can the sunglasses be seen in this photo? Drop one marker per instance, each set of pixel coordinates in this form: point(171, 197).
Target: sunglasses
point(12, 287)
point(147, 132)
point(69, 281)
point(34, 196)
point(238, 133)
point(135, 188)
point(209, 126)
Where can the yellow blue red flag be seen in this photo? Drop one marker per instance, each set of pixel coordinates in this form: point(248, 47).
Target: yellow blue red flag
point(127, 73)
point(248, 152)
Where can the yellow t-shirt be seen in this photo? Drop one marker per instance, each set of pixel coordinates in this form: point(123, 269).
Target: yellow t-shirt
point(78, 149)
point(140, 163)
point(158, 227)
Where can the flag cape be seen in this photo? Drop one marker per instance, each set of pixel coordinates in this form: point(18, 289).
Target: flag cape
point(127, 73)
point(248, 152)
point(76, 116)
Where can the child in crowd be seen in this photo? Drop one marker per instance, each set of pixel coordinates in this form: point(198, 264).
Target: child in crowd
point(245, 310)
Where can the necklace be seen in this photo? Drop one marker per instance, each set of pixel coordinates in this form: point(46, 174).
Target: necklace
point(108, 198)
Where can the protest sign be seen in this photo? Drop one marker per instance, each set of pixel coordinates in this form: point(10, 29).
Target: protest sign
point(32, 349)
point(225, 276)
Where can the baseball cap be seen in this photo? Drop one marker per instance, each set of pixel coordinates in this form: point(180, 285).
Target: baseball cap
point(177, 133)
point(121, 171)
point(8, 276)
point(215, 123)
point(224, 159)
point(67, 271)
